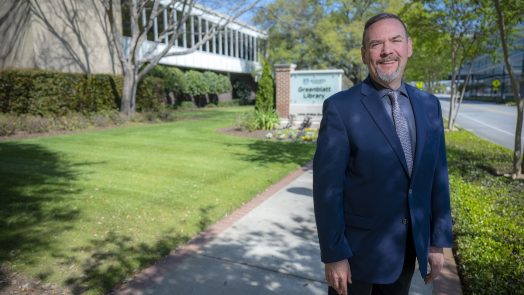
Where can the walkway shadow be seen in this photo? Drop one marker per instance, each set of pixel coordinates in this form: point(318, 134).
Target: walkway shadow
point(303, 191)
point(35, 184)
point(264, 256)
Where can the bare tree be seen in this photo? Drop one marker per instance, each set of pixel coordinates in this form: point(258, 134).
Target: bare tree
point(136, 59)
point(467, 33)
point(501, 11)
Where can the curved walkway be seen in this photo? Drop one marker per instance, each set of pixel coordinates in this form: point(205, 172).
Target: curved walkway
point(268, 246)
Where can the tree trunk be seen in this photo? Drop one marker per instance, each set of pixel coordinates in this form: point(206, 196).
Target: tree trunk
point(518, 164)
point(453, 82)
point(462, 92)
point(127, 104)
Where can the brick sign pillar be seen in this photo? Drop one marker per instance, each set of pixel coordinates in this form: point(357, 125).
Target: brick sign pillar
point(283, 85)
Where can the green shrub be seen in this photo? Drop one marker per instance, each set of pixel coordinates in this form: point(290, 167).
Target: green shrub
point(267, 120)
point(174, 78)
point(98, 93)
point(150, 94)
point(196, 83)
point(242, 92)
point(187, 105)
point(48, 93)
point(224, 84)
point(37, 92)
point(257, 120)
point(265, 93)
point(53, 94)
point(217, 84)
point(487, 216)
point(212, 81)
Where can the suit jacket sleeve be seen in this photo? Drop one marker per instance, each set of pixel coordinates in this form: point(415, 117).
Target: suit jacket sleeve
point(441, 232)
point(329, 167)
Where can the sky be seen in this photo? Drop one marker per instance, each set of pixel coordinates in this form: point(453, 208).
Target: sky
point(225, 6)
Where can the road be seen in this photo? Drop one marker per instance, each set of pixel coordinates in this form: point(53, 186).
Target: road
point(491, 121)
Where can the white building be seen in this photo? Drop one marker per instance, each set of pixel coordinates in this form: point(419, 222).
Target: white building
point(236, 49)
point(74, 36)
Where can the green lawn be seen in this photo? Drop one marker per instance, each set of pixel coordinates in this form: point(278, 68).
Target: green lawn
point(87, 210)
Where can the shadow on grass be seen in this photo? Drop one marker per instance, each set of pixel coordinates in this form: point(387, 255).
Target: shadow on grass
point(471, 156)
point(115, 257)
point(474, 165)
point(34, 188)
point(265, 152)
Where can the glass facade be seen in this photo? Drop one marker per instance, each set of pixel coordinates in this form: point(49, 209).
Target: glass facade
point(489, 75)
point(234, 40)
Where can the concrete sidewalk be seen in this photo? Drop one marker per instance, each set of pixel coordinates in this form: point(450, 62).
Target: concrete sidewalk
point(269, 246)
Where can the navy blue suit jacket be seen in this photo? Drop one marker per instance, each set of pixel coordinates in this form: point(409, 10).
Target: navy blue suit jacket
point(362, 190)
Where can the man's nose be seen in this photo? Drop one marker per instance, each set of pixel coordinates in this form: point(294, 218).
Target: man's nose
point(386, 49)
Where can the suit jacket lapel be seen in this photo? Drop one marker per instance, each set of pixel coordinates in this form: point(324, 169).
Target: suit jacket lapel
point(421, 124)
point(374, 106)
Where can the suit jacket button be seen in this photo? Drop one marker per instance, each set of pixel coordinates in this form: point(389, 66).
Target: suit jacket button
point(405, 221)
point(410, 191)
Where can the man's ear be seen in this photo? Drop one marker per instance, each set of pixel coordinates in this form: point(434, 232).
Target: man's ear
point(410, 47)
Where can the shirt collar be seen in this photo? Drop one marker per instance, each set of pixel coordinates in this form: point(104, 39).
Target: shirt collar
point(384, 91)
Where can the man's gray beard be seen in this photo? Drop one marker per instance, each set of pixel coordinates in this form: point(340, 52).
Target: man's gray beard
point(388, 78)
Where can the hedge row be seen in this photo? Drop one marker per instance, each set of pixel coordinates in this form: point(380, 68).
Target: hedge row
point(192, 83)
point(487, 216)
point(48, 93)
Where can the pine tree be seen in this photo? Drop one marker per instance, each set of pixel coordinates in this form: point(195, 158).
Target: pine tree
point(265, 93)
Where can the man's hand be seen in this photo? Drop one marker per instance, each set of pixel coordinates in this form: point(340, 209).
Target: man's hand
point(436, 261)
point(338, 275)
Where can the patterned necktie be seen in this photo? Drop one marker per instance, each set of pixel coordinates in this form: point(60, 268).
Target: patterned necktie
point(401, 126)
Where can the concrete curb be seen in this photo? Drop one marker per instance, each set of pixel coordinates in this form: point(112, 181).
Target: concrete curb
point(449, 282)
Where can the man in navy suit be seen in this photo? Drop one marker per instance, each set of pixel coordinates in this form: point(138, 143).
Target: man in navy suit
point(380, 179)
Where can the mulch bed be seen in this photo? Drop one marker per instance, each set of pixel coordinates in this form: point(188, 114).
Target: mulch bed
point(235, 131)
